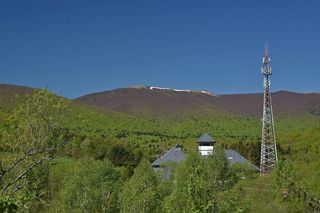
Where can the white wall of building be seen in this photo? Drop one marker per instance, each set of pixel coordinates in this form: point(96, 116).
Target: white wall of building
point(206, 150)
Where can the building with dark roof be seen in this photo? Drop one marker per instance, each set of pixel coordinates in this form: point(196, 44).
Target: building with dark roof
point(162, 164)
point(206, 144)
point(174, 155)
point(206, 147)
point(235, 157)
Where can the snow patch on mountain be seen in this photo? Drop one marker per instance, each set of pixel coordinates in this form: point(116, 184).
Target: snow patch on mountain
point(181, 90)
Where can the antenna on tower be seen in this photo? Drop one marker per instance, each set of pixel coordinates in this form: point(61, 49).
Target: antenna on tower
point(266, 49)
point(266, 58)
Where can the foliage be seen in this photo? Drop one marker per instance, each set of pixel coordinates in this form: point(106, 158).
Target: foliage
point(142, 192)
point(90, 186)
point(287, 191)
point(31, 138)
point(233, 200)
point(7, 205)
point(198, 182)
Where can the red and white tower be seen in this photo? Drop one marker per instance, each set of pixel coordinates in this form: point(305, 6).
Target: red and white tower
point(269, 157)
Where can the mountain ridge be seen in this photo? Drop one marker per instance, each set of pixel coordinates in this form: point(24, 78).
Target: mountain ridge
point(166, 101)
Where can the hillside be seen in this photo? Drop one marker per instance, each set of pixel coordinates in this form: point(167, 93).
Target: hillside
point(10, 94)
point(164, 102)
point(109, 115)
point(283, 102)
point(149, 101)
point(167, 102)
point(102, 123)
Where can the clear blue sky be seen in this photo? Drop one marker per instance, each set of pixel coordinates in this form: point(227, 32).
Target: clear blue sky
point(77, 47)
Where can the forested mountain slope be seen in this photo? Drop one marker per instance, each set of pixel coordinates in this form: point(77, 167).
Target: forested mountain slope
point(169, 102)
point(126, 125)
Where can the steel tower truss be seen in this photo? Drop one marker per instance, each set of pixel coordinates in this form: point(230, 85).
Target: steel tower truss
point(269, 157)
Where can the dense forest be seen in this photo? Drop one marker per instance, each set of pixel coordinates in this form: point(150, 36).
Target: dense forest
point(60, 156)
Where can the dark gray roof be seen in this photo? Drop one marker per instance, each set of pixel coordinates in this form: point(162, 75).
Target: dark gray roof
point(173, 155)
point(176, 155)
point(206, 138)
point(235, 157)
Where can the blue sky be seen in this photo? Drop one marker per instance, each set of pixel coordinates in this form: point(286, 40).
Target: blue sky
point(77, 47)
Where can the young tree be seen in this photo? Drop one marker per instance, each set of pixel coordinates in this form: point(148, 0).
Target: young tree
point(233, 200)
point(287, 188)
point(31, 138)
point(141, 193)
point(92, 186)
point(198, 182)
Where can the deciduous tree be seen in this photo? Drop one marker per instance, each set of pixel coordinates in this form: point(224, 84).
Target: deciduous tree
point(141, 193)
point(31, 138)
point(92, 186)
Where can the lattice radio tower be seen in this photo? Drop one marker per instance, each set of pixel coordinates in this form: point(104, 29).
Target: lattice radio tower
point(269, 157)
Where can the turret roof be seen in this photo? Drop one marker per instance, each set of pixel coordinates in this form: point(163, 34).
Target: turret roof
point(206, 138)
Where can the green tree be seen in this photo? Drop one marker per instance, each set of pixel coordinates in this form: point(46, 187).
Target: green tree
point(123, 156)
point(142, 193)
point(233, 200)
point(7, 204)
point(92, 186)
point(288, 189)
point(31, 138)
point(197, 183)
